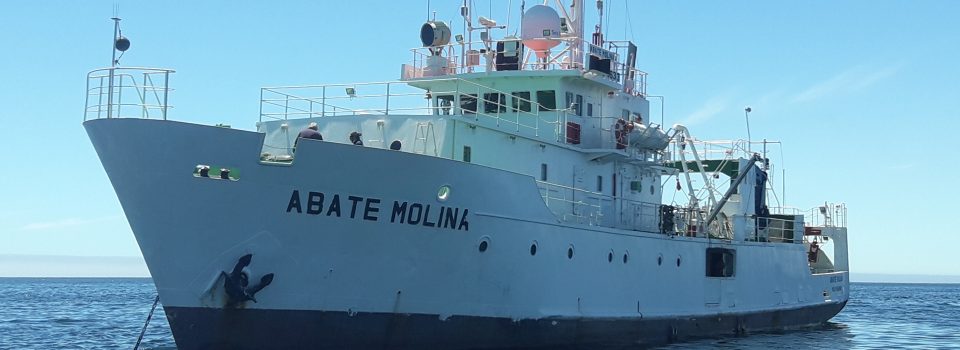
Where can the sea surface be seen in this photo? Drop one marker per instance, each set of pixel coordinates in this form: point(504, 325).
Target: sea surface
point(109, 313)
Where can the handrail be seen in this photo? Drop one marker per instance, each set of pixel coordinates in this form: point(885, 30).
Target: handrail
point(500, 107)
point(570, 204)
point(110, 83)
point(767, 229)
point(460, 58)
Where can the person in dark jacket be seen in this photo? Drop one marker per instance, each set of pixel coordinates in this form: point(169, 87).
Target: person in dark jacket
point(355, 138)
point(309, 133)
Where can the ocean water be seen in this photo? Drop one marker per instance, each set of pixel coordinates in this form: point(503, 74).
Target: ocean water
point(109, 313)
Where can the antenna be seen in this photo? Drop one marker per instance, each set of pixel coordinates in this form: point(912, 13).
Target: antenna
point(119, 42)
point(746, 114)
point(509, 11)
point(598, 32)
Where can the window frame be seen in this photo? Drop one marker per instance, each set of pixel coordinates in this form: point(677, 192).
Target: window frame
point(543, 95)
point(520, 103)
point(498, 106)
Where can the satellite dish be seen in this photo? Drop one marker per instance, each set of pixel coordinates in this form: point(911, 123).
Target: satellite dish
point(434, 33)
point(540, 29)
point(122, 44)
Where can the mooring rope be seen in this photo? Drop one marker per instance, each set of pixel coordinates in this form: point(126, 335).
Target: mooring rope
point(149, 316)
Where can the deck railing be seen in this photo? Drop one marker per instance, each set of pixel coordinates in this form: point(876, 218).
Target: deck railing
point(457, 58)
point(127, 92)
point(465, 98)
point(826, 215)
point(574, 205)
point(829, 215)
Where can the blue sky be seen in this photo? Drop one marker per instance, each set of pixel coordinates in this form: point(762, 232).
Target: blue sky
point(864, 94)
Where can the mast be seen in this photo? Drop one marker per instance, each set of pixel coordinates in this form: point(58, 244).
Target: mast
point(574, 17)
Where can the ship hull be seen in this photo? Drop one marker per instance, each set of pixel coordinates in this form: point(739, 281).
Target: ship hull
point(375, 272)
point(210, 328)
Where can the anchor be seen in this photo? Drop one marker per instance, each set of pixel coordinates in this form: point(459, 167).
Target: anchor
point(236, 283)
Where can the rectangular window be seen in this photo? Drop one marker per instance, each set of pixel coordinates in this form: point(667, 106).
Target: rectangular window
point(468, 104)
point(568, 99)
point(543, 172)
point(599, 183)
point(721, 262)
point(579, 109)
point(589, 109)
point(466, 154)
point(494, 103)
point(547, 99)
point(625, 114)
point(444, 103)
point(521, 101)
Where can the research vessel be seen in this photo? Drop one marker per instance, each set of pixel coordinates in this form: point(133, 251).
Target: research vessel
point(509, 190)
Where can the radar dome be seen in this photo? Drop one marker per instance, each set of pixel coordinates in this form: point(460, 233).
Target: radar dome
point(540, 29)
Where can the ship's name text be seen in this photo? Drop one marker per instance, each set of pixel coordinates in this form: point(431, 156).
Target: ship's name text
point(368, 208)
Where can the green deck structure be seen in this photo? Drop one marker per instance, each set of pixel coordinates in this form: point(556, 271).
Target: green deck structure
point(728, 167)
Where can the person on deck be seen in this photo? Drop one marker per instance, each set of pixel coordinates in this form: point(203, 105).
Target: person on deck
point(355, 138)
point(309, 133)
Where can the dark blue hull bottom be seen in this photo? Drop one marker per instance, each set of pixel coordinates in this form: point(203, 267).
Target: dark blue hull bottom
point(207, 328)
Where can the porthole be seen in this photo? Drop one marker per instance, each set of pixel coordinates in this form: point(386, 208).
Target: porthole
point(443, 193)
point(570, 252)
point(484, 244)
point(660, 260)
point(610, 256)
point(533, 248)
point(678, 261)
point(626, 257)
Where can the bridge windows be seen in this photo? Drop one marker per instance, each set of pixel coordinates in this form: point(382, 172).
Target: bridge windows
point(575, 102)
point(444, 104)
point(466, 154)
point(468, 104)
point(520, 101)
point(589, 109)
point(547, 100)
point(494, 102)
point(721, 262)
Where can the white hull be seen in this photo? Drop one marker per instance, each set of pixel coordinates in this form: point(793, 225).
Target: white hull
point(191, 228)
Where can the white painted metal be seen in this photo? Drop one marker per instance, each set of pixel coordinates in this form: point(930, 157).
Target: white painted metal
point(526, 157)
point(190, 228)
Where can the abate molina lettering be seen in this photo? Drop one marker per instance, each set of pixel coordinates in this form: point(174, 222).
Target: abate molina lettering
point(368, 208)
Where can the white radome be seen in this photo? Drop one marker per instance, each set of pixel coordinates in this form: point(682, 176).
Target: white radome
point(541, 24)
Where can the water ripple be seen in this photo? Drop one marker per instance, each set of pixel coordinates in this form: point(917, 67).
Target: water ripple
point(108, 314)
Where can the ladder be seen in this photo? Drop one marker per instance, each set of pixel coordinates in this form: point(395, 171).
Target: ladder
point(423, 136)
